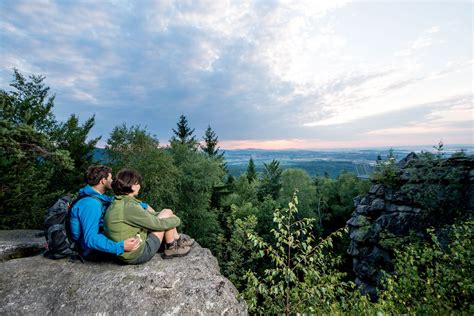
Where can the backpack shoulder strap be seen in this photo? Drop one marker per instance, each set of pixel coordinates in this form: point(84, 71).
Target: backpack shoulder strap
point(82, 196)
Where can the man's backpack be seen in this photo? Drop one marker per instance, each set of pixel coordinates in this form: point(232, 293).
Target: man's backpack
point(56, 229)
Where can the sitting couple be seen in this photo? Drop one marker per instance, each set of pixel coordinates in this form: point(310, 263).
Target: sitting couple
point(122, 226)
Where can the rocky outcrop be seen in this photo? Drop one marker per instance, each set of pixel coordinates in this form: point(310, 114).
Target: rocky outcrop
point(187, 285)
point(389, 212)
point(21, 243)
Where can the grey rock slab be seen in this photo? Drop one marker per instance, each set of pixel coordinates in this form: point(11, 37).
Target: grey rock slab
point(21, 243)
point(364, 200)
point(374, 188)
point(404, 208)
point(390, 208)
point(377, 189)
point(362, 209)
point(358, 220)
point(186, 285)
point(357, 200)
point(360, 234)
point(377, 205)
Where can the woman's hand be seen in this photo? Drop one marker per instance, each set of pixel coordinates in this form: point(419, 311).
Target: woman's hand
point(131, 244)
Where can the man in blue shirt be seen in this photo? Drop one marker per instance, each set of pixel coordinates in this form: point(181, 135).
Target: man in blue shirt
point(87, 217)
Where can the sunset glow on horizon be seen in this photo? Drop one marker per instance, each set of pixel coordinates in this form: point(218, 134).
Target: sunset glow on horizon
point(304, 144)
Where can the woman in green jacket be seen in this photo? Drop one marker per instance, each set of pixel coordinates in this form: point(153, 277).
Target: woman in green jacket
point(125, 217)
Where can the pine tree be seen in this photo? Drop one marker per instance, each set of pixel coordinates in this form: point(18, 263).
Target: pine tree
point(251, 171)
point(184, 134)
point(271, 181)
point(210, 143)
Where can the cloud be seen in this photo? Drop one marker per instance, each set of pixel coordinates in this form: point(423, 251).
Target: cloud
point(392, 87)
point(419, 129)
point(252, 69)
point(84, 96)
point(454, 115)
point(425, 40)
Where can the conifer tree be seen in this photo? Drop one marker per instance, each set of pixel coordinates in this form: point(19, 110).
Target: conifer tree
point(210, 143)
point(184, 134)
point(271, 181)
point(251, 171)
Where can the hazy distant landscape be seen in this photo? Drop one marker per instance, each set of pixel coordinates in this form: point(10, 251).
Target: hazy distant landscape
point(315, 162)
point(332, 162)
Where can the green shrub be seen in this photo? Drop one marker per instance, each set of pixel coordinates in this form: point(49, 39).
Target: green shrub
point(303, 278)
point(386, 171)
point(430, 278)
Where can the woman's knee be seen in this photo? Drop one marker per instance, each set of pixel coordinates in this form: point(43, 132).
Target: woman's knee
point(166, 213)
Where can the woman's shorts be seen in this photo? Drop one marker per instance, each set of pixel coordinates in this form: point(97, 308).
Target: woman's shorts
point(152, 244)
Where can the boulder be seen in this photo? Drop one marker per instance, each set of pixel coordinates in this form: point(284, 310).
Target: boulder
point(186, 285)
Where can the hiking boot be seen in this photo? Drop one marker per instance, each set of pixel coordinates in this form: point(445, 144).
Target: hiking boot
point(173, 250)
point(185, 240)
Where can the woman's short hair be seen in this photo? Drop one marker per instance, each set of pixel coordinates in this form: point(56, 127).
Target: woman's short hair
point(96, 173)
point(124, 180)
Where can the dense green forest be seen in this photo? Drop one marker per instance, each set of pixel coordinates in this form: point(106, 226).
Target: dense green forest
point(280, 235)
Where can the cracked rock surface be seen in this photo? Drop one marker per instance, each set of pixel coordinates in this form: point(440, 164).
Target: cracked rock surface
point(21, 243)
point(186, 285)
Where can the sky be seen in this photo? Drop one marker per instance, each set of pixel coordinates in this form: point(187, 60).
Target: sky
point(299, 74)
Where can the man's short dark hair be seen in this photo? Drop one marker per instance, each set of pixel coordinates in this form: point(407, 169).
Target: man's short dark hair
point(96, 173)
point(124, 180)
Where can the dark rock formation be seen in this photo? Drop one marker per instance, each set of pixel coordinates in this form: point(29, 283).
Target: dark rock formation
point(187, 285)
point(387, 214)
